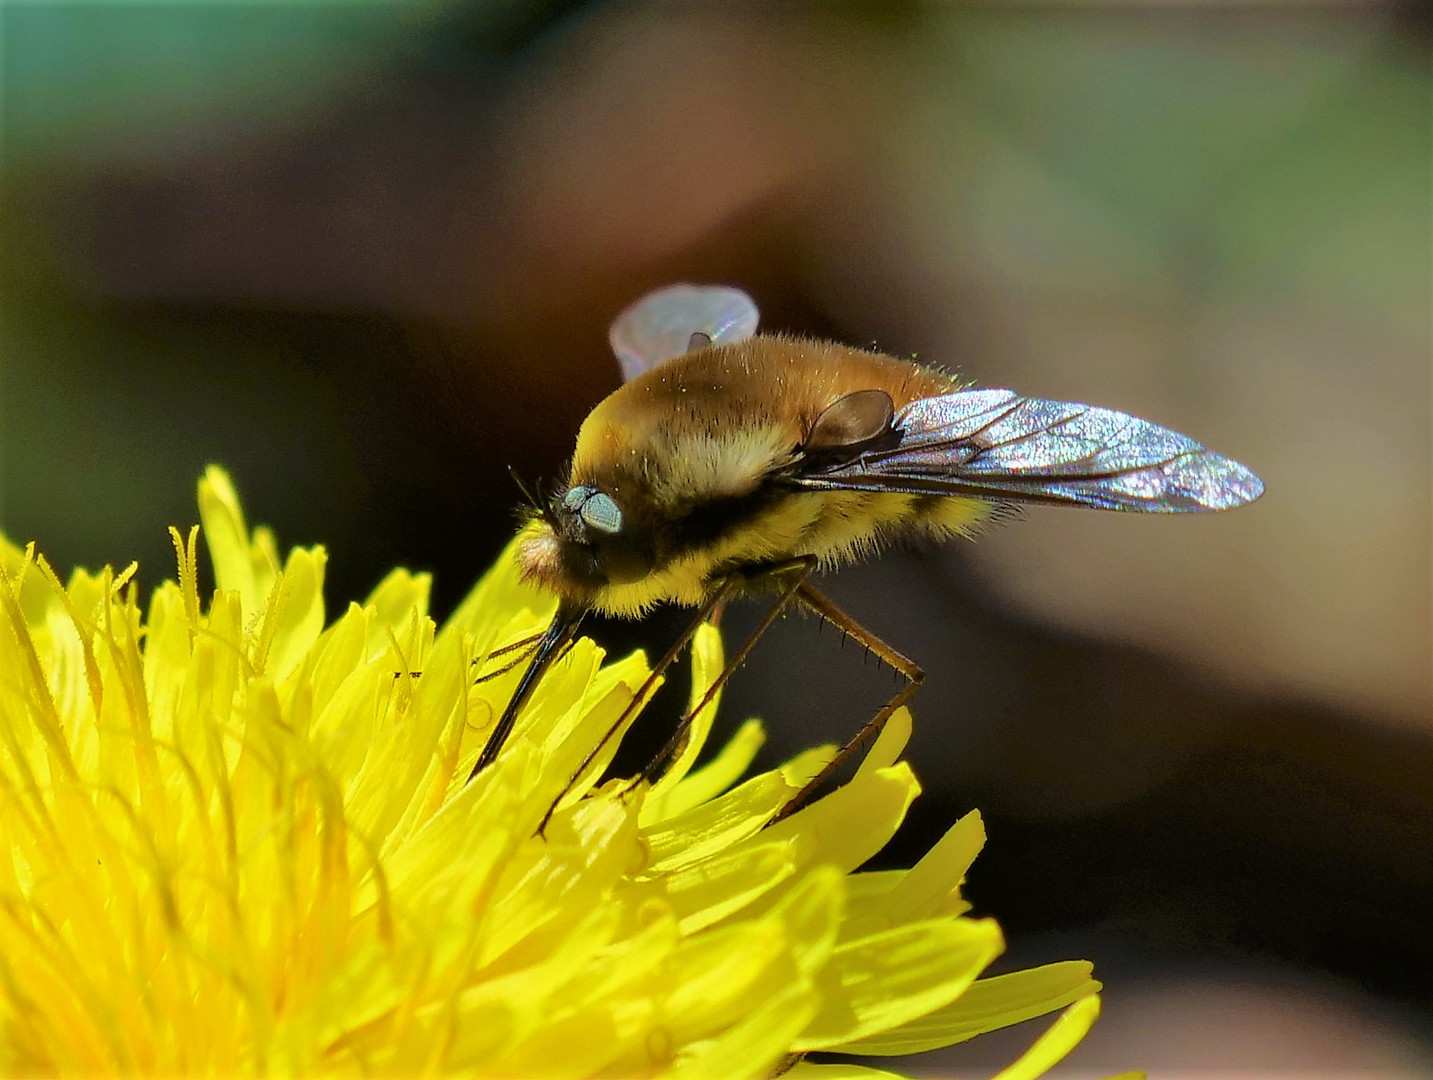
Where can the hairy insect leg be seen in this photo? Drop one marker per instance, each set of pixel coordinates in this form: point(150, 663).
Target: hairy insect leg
point(513, 646)
point(521, 643)
point(527, 645)
point(824, 608)
point(712, 603)
point(796, 573)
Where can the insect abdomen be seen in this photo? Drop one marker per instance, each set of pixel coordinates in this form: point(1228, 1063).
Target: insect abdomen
point(853, 524)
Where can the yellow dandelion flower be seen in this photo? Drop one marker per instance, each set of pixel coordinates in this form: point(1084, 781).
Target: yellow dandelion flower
point(240, 841)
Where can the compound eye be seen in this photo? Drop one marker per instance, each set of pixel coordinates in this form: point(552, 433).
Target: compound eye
point(575, 497)
point(600, 512)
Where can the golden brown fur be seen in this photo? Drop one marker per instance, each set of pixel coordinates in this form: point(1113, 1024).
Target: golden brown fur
point(688, 449)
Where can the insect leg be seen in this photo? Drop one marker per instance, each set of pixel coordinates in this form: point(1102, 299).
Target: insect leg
point(521, 643)
point(527, 645)
point(513, 646)
point(640, 698)
point(914, 676)
point(797, 572)
point(491, 675)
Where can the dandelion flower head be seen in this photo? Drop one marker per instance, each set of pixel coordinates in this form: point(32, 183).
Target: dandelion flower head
point(240, 840)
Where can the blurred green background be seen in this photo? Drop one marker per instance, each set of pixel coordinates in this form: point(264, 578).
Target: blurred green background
point(364, 255)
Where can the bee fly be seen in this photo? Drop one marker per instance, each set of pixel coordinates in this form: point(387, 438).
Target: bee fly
point(732, 462)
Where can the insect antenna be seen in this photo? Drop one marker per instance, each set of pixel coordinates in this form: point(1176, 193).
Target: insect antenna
point(541, 507)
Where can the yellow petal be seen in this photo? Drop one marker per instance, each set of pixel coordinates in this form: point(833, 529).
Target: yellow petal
point(239, 565)
point(928, 887)
point(705, 830)
point(712, 778)
point(724, 884)
point(484, 822)
point(592, 724)
point(989, 1004)
point(293, 614)
point(808, 1070)
point(716, 977)
point(854, 822)
point(754, 1045)
point(887, 898)
point(889, 744)
point(501, 593)
point(889, 979)
point(411, 751)
point(636, 956)
point(398, 595)
point(1050, 1048)
point(707, 662)
point(578, 863)
point(576, 1045)
point(812, 912)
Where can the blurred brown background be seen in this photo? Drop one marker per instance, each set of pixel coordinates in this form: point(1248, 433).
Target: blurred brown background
point(365, 254)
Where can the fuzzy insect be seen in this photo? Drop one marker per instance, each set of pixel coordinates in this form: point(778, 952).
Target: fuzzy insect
point(731, 461)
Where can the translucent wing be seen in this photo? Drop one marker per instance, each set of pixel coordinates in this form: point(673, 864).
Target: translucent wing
point(661, 325)
point(996, 444)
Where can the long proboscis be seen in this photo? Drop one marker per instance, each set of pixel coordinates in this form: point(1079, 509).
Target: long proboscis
point(559, 632)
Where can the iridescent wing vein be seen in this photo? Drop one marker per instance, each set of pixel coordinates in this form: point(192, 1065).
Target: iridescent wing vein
point(995, 444)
